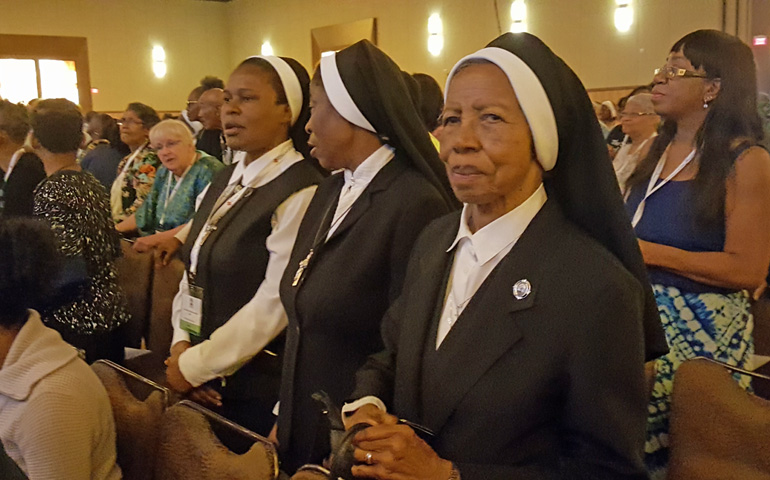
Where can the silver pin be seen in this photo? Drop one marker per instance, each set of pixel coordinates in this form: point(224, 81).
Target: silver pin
point(522, 289)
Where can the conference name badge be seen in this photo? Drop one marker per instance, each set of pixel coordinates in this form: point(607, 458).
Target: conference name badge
point(192, 311)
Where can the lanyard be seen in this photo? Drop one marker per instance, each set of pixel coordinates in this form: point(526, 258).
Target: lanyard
point(170, 194)
point(14, 160)
point(229, 197)
point(653, 186)
point(321, 236)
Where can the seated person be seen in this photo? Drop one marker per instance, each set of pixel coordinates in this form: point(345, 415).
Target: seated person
point(20, 171)
point(55, 417)
point(519, 334)
point(185, 173)
point(106, 150)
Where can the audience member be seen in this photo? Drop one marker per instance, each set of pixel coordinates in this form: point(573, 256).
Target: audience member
point(349, 261)
point(211, 139)
point(640, 125)
point(136, 172)
point(700, 205)
point(185, 174)
point(228, 354)
point(90, 307)
point(190, 115)
point(105, 151)
point(598, 112)
point(493, 343)
point(763, 108)
point(21, 171)
point(431, 100)
point(55, 417)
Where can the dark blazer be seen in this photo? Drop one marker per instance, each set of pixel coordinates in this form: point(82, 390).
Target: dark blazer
point(549, 386)
point(335, 313)
point(103, 163)
point(19, 192)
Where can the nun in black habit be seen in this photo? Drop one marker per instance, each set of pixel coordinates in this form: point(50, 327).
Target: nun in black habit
point(350, 257)
point(525, 320)
point(227, 316)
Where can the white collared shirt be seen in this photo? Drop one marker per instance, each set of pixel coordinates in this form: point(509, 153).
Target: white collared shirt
point(477, 254)
point(258, 322)
point(356, 182)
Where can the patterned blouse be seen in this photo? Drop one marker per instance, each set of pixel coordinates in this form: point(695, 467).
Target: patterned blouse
point(75, 205)
point(137, 182)
point(167, 206)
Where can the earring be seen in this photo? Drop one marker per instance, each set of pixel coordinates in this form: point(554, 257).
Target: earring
point(706, 102)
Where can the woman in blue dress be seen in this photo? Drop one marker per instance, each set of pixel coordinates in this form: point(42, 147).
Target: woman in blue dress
point(185, 174)
point(700, 206)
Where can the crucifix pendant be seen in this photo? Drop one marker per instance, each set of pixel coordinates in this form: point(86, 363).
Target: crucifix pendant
point(301, 270)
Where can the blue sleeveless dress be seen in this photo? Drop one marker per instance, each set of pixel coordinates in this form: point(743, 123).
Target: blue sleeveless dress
point(698, 319)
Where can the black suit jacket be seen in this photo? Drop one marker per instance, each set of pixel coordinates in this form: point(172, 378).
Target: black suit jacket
point(550, 386)
point(335, 313)
point(20, 189)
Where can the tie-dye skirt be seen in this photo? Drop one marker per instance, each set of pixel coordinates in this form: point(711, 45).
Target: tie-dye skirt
point(696, 325)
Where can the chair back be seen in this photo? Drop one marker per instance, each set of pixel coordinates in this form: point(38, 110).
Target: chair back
point(135, 279)
point(718, 430)
point(193, 445)
point(137, 407)
point(165, 285)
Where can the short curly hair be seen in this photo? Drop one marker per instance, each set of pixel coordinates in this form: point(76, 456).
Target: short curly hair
point(29, 262)
point(58, 125)
point(14, 120)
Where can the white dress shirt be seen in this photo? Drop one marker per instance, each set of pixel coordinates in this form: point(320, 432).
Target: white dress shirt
point(261, 320)
point(356, 182)
point(476, 256)
point(479, 253)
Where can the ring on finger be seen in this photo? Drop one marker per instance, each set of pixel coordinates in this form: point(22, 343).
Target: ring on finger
point(368, 458)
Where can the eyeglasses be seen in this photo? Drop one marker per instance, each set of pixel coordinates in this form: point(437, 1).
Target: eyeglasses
point(674, 72)
point(635, 114)
point(129, 122)
point(168, 144)
point(190, 103)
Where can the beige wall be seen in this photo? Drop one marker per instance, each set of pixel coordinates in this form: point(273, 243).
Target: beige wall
point(203, 38)
point(120, 36)
point(581, 31)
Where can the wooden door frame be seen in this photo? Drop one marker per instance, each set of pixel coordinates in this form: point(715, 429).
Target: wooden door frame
point(41, 47)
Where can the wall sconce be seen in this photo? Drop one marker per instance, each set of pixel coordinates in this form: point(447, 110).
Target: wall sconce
point(267, 49)
point(518, 16)
point(624, 15)
point(435, 35)
point(158, 61)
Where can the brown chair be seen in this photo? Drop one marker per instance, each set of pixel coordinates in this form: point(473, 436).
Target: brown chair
point(137, 406)
point(192, 445)
point(718, 431)
point(135, 279)
point(165, 285)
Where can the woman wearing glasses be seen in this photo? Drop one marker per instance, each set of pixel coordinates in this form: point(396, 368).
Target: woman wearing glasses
point(700, 205)
point(185, 174)
point(640, 125)
point(136, 172)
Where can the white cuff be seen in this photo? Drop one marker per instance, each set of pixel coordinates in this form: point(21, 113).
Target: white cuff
point(179, 336)
point(277, 408)
point(193, 368)
point(351, 407)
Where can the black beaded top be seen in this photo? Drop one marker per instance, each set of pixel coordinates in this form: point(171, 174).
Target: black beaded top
point(77, 207)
